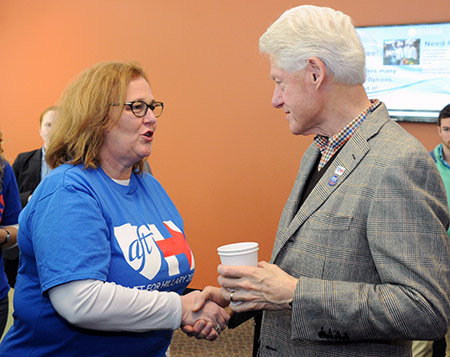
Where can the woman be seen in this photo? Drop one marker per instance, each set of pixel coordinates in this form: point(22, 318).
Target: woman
point(104, 257)
point(9, 213)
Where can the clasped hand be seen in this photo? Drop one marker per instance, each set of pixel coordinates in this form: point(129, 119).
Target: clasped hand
point(203, 314)
point(265, 287)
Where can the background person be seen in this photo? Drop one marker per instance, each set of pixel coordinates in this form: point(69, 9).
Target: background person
point(103, 255)
point(9, 214)
point(360, 264)
point(399, 53)
point(441, 156)
point(411, 53)
point(29, 168)
point(441, 153)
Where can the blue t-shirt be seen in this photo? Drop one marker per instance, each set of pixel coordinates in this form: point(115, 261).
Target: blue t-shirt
point(10, 208)
point(80, 224)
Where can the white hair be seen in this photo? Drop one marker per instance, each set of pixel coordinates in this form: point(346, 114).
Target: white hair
point(306, 31)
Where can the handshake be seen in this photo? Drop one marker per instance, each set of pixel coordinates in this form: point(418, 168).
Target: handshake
point(247, 288)
point(246, 284)
point(204, 314)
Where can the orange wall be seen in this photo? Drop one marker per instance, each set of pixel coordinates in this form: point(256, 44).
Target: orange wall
point(224, 155)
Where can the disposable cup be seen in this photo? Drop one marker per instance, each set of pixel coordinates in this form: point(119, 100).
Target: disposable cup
point(244, 253)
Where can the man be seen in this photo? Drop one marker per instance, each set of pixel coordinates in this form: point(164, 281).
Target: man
point(399, 53)
point(441, 153)
point(361, 260)
point(411, 53)
point(441, 156)
point(29, 168)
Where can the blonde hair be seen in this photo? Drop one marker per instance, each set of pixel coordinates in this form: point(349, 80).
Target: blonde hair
point(85, 113)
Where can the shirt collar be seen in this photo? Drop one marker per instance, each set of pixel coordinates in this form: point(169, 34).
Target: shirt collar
point(441, 156)
point(329, 145)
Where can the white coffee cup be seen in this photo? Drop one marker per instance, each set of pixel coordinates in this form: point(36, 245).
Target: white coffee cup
point(244, 253)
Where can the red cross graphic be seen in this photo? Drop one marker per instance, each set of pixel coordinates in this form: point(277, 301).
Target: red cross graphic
point(175, 245)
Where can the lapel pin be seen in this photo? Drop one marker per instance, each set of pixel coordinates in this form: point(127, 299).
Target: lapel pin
point(339, 170)
point(332, 181)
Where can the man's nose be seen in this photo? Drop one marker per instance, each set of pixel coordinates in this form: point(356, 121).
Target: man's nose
point(277, 99)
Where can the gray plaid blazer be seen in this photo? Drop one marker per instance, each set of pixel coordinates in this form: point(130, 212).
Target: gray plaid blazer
point(370, 248)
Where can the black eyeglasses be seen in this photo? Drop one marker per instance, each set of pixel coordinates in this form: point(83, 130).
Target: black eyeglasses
point(140, 108)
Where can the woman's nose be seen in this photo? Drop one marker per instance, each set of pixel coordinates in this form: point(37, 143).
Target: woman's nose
point(149, 117)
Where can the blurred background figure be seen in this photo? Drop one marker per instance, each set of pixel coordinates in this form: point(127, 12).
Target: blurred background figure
point(441, 156)
point(30, 168)
point(9, 214)
point(399, 53)
point(441, 153)
point(411, 53)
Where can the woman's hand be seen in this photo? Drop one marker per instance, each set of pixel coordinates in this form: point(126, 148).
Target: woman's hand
point(12, 232)
point(203, 317)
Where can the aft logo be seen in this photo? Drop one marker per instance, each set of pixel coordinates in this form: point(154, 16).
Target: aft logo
point(142, 247)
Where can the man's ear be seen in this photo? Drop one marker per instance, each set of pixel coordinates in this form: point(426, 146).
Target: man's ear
point(316, 70)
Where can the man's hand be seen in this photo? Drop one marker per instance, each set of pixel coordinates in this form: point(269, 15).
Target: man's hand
point(265, 287)
point(209, 293)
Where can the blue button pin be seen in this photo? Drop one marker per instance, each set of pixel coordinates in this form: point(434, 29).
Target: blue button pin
point(332, 181)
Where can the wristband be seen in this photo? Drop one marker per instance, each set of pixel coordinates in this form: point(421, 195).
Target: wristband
point(8, 235)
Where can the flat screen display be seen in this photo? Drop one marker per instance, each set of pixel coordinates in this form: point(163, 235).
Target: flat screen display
point(408, 68)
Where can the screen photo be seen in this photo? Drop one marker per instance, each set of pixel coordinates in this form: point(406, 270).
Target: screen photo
point(408, 68)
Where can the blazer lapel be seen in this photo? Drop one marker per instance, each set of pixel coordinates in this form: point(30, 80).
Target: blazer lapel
point(347, 160)
point(289, 213)
point(307, 165)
